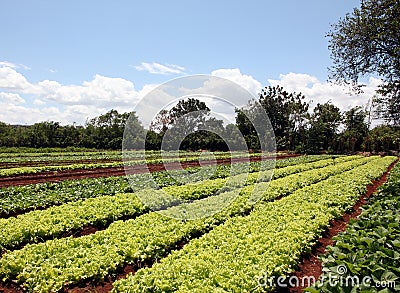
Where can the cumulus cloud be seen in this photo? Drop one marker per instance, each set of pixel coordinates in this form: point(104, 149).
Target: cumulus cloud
point(321, 92)
point(38, 102)
point(157, 68)
point(13, 65)
point(246, 81)
point(8, 64)
point(104, 91)
point(10, 79)
point(71, 103)
point(21, 114)
point(22, 101)
point(11, 98)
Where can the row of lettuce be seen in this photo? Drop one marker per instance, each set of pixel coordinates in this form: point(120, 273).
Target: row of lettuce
point(247, 254)
point(126, 162)
point(292, 224)
point(48, 158)
point(366, 257)
point(85, 155)
point(101, 211)
point(24, 198)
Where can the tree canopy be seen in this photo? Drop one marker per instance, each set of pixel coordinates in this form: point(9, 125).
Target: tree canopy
point(367, 41)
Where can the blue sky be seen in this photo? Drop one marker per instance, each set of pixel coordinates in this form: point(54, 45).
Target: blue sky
point(56, 56)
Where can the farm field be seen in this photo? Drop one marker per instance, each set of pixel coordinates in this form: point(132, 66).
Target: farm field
point(369, 249)
point(209, 228)
point(200, 147)
point(28, 168)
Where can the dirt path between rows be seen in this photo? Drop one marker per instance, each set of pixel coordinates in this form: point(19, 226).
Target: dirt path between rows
point(310, 265)
point(119, 171)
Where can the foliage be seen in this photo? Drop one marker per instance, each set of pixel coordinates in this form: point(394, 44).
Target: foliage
point(54, 221)
point(48, 266)
point(270, 241)
point(324, 123)
point(370, 246)
point(356, 129)
point(102, 132)
point(130, 161)
point(287, 113)
point(42, 195)
point(189, 126)
point(383, 138)
point(367, 41)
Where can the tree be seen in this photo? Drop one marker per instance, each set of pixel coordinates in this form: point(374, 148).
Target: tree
point(194, 109)
point(356, 129)
point(44, 134)
point(324, 124)
point(368, 42)
point(384, 138)
point(188, 106)
point(160, 123)
point(246, 127)
point(187, 125)
point(287, 113)
point(106, 131)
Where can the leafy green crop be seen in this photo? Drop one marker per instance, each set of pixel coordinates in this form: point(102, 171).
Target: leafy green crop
point(48, 266)
point(54, 221)
point(370, 246)
point(128, 161)
point(268, 242)
point(42, 195)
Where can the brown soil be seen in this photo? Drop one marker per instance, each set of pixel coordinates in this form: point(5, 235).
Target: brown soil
point(8, 287)
point(310, 265)
point(55, 176)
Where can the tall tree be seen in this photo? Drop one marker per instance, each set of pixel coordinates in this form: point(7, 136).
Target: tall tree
point(356, 129)
point(384, 138)
point(190, 125)
point(191, 111)
point(324, 124)
point(367, 41)
point(288, 113)
point(107, 130)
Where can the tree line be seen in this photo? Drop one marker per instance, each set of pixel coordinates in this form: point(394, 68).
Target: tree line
point(296, 128)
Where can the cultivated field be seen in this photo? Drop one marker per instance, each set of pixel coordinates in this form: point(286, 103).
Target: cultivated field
point(71, 222)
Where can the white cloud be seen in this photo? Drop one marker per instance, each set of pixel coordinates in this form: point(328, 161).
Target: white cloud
point(13, 65)
point(8, 64)
point(24, 66)
point(157, 68)
point(102, 91)
point(11, 98)
point(322, 92)
point(18, 114)
point(52, 100)
point(38, 102)
point(10, 79)
point(246, 81)
point(78, 102)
